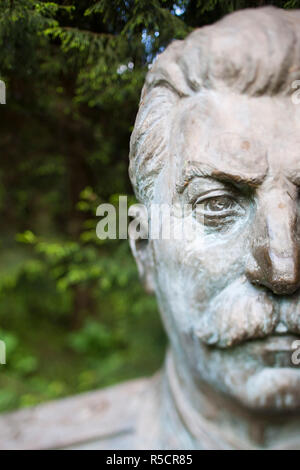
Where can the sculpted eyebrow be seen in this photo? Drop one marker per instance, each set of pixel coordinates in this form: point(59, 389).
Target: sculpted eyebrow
point(207, 171)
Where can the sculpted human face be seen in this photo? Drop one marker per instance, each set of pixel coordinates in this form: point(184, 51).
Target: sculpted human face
point(230, 297)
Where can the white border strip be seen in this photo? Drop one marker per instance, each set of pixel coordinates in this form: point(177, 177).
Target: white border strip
point(2, 92)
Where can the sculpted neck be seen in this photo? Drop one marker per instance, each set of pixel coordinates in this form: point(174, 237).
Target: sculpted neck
point(213, 421)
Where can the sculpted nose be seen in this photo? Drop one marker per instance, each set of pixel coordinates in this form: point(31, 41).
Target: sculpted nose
point(274, 261)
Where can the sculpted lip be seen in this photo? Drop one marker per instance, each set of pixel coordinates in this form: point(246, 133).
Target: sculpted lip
point(270, 344)
point(279, 343)
point(275, 351)
point(273, 343)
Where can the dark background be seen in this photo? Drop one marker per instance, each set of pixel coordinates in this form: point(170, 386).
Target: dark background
point(72, 312)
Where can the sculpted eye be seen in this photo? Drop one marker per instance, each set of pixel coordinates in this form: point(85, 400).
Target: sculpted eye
point(217, 210)
point(218, 204)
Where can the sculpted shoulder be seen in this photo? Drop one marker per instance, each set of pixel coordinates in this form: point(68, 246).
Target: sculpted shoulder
point(104, 419)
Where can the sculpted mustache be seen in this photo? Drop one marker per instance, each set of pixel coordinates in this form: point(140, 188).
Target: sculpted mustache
point(241, 313)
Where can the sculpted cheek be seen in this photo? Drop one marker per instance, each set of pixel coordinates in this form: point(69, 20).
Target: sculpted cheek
point(201, 262)
point(189, 275)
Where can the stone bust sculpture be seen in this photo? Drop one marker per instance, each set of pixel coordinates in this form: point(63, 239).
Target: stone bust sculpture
point(217, 128)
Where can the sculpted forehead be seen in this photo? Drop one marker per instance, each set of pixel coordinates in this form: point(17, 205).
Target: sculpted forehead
point(249, 136)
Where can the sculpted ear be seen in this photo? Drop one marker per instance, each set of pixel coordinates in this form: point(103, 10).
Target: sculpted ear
point(141, 246)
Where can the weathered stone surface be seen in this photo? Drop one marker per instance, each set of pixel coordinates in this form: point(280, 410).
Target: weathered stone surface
point(218, 130)
point(98, 419)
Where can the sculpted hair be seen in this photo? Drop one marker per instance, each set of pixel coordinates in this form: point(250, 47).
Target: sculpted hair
point(254, 52)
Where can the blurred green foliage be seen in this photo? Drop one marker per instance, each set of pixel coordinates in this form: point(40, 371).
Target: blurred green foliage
point(72, 312)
